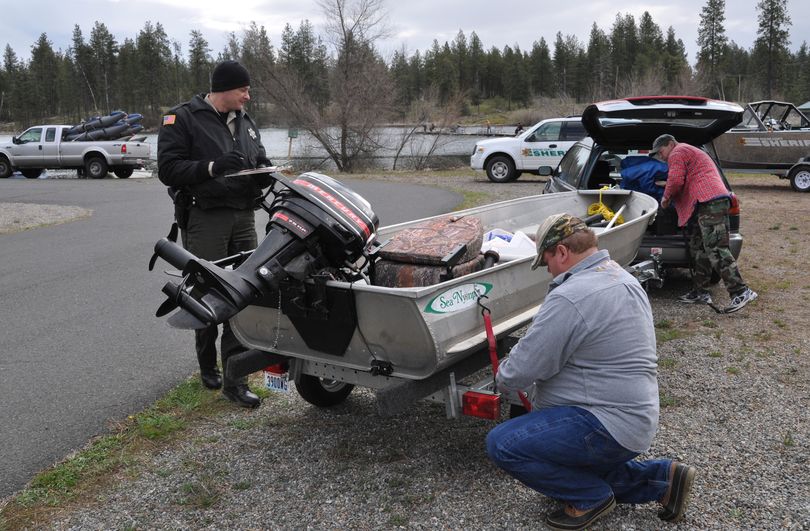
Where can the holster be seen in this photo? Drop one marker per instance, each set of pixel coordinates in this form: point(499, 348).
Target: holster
point(183, 201)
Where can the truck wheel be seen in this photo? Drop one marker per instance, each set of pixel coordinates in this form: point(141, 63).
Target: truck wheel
point(96, 168)
point(5, 168)
point(501, 169)
point(322, 392)
point(31, 173)
point(800, 178)
point(123, 172)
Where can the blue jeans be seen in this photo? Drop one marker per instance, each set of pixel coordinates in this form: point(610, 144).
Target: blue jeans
point(565, 453)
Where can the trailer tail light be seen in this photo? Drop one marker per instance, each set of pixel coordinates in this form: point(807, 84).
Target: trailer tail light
point(123, 148)
point(481, 405)
point(734, 209)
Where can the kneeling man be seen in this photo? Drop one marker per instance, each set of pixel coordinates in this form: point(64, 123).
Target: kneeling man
point(590, 355)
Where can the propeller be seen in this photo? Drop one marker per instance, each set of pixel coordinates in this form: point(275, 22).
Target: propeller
point(172, 237)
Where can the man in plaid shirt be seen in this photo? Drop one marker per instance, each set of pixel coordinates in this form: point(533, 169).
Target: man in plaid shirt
point(702, 201)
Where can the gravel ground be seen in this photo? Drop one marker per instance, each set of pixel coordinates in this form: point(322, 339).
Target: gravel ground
point(734, 394)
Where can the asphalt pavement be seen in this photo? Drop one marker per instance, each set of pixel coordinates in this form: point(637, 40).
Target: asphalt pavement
point(79, 344)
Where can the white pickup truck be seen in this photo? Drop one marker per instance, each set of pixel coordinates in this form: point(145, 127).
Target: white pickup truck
point(543, 144)
point(43, 146)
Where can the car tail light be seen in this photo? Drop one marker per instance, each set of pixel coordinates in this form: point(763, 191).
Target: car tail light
point(481, 405)
point(734, 209)
point(123, 148)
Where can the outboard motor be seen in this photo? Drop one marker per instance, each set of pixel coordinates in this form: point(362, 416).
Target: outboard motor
point(316, 224)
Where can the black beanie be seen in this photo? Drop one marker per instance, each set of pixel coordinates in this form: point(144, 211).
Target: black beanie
point(229, 75)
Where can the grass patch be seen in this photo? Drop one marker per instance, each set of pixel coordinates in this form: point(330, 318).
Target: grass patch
point(733, 370)
point(763, 335)
point(201, 494)
point(715, 354)
point(668, 335)
point(665, 331)
point(667, 363)
point(472, 199)
point(709, 323)
point(666, 400)
point(242, 485)
point(84, 473)
point(780, 323)
point(788, 440)
point(157, 425)
point(244, 423)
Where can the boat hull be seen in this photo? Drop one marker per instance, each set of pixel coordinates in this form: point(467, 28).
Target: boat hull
point(419, 331)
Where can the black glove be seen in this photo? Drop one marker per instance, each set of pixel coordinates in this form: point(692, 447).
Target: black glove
point(229, 162)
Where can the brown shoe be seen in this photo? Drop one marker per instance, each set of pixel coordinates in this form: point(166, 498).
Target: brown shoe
point(561, 520)
point(679, 489)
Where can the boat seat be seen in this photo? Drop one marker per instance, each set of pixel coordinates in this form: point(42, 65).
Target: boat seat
point(430, 252)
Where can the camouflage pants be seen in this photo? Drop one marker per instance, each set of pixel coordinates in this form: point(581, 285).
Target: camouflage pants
point(708, 247)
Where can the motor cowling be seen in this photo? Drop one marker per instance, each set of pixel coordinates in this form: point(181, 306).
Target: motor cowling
point(316, 222)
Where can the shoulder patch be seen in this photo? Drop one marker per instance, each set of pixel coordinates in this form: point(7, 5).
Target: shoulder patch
point(169, 119)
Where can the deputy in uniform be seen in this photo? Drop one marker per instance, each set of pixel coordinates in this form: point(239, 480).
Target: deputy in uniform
point(200, 142)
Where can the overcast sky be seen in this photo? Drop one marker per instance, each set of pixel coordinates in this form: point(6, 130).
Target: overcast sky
point(415, 23)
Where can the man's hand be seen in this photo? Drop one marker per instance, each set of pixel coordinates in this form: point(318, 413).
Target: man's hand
point(665, 202)
point(229, 162)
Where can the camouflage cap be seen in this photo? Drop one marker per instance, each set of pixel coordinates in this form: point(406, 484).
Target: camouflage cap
point(552, 231)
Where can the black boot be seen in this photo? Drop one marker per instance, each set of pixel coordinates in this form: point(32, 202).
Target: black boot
point(241, 395)
point(211, 378)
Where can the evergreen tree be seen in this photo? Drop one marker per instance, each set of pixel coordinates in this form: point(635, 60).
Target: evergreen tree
point(477, 63)
point(154, 57)
point(798, 90)
point(771, 47)
point(650, 44)
point(257, 57)
point(461, 53)
point(738, 82)
point(103, 52)
point(199, 63)
point(129, 70)
point(492, 83)
point(713, 45)
point(14, 94)
point(599, 64)
point(83, 73)
point(303, 53)
point(401, 76)
point(43, 68)
point(541, 69)
point(623, 45)
point(566, 54)
point(675, 65)
point(515, 77)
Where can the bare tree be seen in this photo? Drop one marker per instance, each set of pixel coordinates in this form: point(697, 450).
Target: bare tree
point(360, 87)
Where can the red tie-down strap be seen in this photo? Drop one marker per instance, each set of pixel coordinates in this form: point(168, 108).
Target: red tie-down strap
point(493, 351)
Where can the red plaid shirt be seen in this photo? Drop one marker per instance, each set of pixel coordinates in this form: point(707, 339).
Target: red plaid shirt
point(693, 178)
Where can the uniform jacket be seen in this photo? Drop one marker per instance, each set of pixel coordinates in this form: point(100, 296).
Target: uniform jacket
point(191, 137)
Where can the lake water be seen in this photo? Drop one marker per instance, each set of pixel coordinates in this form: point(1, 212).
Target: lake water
point(280, 148)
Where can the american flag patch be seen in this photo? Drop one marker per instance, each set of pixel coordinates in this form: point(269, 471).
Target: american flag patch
point(169, 119)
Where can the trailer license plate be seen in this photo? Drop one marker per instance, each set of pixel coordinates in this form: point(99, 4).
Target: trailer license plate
point(277, 382)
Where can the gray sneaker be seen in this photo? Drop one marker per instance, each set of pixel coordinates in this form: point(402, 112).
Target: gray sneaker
point(740, 300)
point(696, 297)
